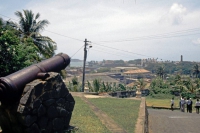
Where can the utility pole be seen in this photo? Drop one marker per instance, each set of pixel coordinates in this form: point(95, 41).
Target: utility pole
point(84, 60)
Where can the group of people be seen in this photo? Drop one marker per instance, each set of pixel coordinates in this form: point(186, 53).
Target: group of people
point(186, 103)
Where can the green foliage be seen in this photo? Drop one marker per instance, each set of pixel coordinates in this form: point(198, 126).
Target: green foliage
point(75, 80)
point(74, 85)
point(171, 68)
point(103, 69)
point(196, 70)
point(15, 55)
point(119, 62)
point(30, 27)
point(122, 87)
point(96, 85)
point(63, 73)
point(188, 95)
point(136, 61)
point(161, 71)
point(161, 96)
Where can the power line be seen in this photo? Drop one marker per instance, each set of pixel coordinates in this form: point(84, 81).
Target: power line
point(127, 51)
point(107, 52)
point(48, 30)
point(159, 36)
point(77, 51)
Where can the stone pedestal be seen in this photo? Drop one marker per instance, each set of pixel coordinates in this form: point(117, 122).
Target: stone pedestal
point(45, 107)
point(138, 94)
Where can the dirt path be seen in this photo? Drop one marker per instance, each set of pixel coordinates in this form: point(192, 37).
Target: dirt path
point(103, 117)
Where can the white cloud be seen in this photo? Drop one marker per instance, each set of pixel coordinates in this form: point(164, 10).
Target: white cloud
point(175, 14)
point(197, 41)
point(109, 20)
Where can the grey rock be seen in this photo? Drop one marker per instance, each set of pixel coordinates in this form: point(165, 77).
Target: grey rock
point(60, 101)
point(41, 110)
point(43, 122)
point(49, 102)
point(38, 89)
point(52, 112)
point(71, 106)
point(69, 98)
point(48, 86)
point(58, 124)
point(37, 103)
point(66, 105)
point(30, 120)
point(61, 111)
point(26, 99)
point(63, 90)
point(67, 120)
point(45, 96)
point(34, 111)
point(34, 128)
point(49, 127)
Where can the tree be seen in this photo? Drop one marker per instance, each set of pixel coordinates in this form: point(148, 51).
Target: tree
point(15, 55)
point(196, 70)
point(96, 85)
point(161, 72)
point(141, 84)
point(29, 26)
point(189, 85)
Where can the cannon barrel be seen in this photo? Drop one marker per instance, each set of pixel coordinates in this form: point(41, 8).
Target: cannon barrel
point(11, 86)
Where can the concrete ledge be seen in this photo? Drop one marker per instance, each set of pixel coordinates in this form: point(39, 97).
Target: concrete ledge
point(159, 107)
point(142, 121)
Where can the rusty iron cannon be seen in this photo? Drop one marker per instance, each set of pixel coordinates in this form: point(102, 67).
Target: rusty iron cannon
point(11, 86)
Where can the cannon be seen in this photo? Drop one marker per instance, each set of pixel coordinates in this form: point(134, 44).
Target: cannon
point(35, 99)
point(11, 86)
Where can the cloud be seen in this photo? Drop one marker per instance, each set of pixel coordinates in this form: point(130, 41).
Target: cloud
point(175, 14)
point(197, 41)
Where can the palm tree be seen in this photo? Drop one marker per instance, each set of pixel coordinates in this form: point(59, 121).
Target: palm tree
point(1, 22)
point(161, 72)
point(30, 26)
point(189, 85)
point(196, 70)
point(141, 84)
point(96, 85)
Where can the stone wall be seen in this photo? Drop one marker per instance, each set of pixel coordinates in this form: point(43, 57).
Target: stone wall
point(142, 122)
point(45, 107)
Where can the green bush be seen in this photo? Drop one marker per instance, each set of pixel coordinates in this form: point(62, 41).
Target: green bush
point(188, 95)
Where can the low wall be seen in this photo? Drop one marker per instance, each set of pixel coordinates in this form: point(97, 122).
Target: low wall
point(142, 122)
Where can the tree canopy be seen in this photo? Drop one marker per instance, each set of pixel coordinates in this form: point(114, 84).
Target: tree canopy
point(14, 54)
point(30, 27)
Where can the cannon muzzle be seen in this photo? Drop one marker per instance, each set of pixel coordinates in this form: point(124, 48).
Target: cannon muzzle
point(11, 86)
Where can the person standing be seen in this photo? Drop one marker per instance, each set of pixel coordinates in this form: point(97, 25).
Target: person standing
point(172, 104)
point(182, 102)
point(197, 105)
point(187, 105)
point(190, 105)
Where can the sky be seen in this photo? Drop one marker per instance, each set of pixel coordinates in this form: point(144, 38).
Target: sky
point(118, 29)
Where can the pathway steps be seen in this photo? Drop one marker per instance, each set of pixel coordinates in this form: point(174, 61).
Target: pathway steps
point(167, 121)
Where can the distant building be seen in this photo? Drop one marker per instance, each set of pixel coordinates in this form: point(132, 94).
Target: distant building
point(101, 76)
point(122, 69)
point(136, 73)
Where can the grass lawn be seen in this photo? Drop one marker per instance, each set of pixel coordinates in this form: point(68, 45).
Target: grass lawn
point(85, 119)
point(122, 111)
point(161, 102)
